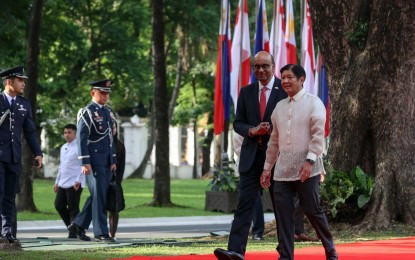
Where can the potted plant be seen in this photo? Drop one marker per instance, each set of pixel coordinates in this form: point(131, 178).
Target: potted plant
point(222, 194)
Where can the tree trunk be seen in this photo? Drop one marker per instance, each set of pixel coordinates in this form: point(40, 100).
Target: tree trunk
point(206, 147)
point(162, 169)
point(176, 90)
point(195, 174)
point(195, 133)
point(139, 172)
point(25, 197)
point(371, 79)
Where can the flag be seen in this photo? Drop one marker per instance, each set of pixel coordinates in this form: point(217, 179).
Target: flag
point(261, 32)
point(222, 80)
point(317, 72)
point(240, 52)
point(278, 49)
point(323, 88)
point(307, 51)
point(290, 34)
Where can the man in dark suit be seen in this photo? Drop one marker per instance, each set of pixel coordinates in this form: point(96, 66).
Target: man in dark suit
point(255, 99)
point(98, 155)
point(15, 119)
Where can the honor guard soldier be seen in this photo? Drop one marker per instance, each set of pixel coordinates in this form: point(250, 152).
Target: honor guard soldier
point(15, 120)
point(97, 153)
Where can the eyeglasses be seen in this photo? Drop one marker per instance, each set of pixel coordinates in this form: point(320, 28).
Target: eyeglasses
point(259, 66)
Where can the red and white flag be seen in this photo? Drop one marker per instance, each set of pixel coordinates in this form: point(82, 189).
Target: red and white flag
point(307, 51)
point(278, 48)
point(240, 52)
point(222, 79)
point(290, 34)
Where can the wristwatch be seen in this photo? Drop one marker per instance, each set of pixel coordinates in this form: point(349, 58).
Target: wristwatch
point(310, 161)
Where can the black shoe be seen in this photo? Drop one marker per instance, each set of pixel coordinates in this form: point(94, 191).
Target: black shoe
point(332, 255)
point(10, 238)
point(222, 254)
point(104, 238)
point(257, 237)
point(73, 229)
point(79, 231)
point(71, 233)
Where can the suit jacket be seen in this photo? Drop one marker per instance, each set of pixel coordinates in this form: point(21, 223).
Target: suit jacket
point(19, 121)
point(119, 173)
point(94, 135)
point(248, 115)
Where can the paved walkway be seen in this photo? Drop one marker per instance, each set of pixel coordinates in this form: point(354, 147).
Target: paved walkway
point(52, 235)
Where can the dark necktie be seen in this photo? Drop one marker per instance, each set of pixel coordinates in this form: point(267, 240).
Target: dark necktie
point(262, 102)
point(12, 104)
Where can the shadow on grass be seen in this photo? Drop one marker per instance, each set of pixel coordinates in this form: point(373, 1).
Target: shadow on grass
point(158, 205)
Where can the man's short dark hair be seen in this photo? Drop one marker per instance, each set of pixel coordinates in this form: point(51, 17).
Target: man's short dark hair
point(296, 69)
point(70, 126)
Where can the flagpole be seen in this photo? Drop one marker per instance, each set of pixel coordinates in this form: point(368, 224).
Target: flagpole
point(274, 37)
point(224, 144)
point(223, 134)
point(276, 20)
point(241, 18)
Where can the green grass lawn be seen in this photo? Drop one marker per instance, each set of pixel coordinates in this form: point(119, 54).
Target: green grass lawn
point(194, 246)
point(188, 195)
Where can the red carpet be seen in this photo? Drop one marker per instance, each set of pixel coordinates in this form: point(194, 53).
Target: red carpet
point(394, 249)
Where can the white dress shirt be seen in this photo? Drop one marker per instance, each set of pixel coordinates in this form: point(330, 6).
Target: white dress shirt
point(9, 98)
point(268, 91)
point(70, 169)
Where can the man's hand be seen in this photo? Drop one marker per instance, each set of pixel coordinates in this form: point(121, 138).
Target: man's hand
point(305, 171)
point(262, 129)
point(38, 159)
point(55, 188)
point(76, 186)
point(265, 179)
point(86, 169)
point(113, 167)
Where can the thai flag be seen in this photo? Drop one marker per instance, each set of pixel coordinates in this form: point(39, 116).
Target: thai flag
point(323, 90)
point(261, 33)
